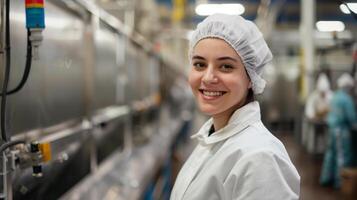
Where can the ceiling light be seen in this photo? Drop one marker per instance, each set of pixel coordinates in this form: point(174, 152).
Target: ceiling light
point(209, 9)
point(329, 26)
point(351, 6)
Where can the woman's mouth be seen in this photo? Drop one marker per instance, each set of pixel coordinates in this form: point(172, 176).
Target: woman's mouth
point(211, 95)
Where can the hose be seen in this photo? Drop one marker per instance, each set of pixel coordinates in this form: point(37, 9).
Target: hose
point(27, 67)
point(6, 145)
point(7, 71)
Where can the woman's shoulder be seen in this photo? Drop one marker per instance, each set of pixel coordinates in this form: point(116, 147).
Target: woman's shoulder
point(272, 174)
point(258, 148)
point(255, 140)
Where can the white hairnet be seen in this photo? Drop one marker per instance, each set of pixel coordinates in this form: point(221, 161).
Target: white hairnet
point(322, 85)
point(345, 80)
point(244, 37)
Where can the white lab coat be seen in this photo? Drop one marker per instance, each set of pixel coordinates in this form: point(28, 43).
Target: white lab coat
point(316, 105)
point(242, 161)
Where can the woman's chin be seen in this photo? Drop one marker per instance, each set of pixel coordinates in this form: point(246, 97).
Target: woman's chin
point(209, 110)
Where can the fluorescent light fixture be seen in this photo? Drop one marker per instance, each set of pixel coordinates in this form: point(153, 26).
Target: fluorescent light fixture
point(209, 9)
point(329, 26)
point(352, 6)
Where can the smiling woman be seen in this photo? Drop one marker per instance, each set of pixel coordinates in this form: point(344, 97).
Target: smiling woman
point(218, 79)
point(236, 157)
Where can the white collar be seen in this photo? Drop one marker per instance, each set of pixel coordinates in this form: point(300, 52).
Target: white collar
point(241, 119)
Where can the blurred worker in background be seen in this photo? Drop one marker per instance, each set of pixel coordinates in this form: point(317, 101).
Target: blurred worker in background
point(236, 156)
point(341, 118)
point(317, 105)
point(316, 109)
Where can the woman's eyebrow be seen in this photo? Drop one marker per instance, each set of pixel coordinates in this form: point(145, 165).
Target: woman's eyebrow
point(227, 58)
point(198, 57)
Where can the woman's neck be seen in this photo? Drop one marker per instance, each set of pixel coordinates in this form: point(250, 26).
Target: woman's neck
point(221, 120)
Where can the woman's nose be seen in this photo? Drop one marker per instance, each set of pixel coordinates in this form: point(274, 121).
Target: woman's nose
point(209, 76)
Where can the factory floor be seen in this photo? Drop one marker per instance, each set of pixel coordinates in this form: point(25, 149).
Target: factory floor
point(309, 167)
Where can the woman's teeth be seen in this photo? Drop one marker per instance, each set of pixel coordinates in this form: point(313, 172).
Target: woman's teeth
point(212, 94)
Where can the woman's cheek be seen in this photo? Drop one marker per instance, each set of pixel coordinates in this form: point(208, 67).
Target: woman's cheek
point(193, 79)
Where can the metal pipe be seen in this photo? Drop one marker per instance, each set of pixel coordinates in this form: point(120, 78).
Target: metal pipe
point(308, 45)
point(3, 174)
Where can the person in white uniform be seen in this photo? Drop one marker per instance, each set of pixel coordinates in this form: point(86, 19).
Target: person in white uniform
point(318, 103)
point(236, 156)
point(316, 110)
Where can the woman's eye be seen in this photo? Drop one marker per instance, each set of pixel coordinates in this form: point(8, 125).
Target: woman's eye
point(199, 66)
point(226, 68)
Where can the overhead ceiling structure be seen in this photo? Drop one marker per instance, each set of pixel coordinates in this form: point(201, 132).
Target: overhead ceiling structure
point(287, 16)
point(279, 20)
point(164, 21)
point(268, 14)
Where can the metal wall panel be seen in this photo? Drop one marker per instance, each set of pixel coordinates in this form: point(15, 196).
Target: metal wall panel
point(143, 75)
point(84, 66)
point(154, 75)
point(54, 91)
point(132, 69)
point(106, 68)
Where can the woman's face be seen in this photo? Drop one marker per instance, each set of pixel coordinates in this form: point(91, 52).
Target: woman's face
point(218, 78)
